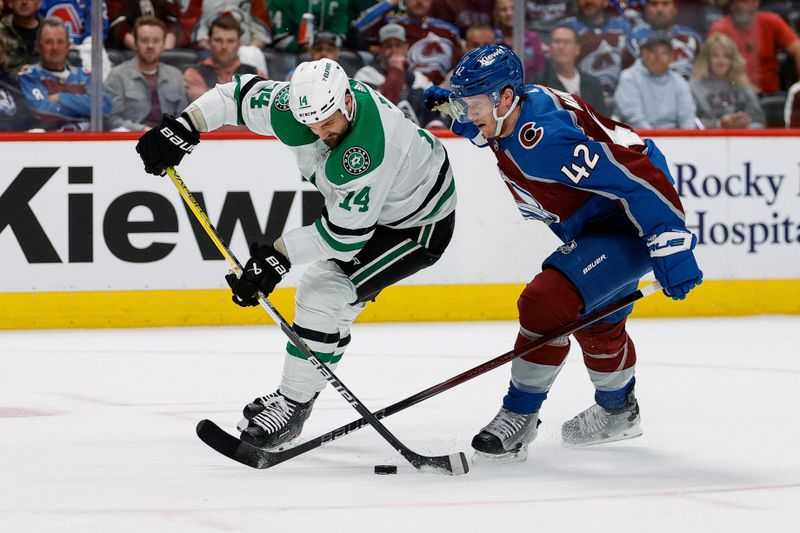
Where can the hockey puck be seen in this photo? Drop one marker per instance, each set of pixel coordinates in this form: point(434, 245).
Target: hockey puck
point(385, 469)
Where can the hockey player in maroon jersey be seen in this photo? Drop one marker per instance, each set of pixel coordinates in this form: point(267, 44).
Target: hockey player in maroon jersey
point(608, 195)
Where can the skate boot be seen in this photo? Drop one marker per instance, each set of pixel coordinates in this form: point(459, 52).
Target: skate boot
point(596, 424)
point(279, 420)
point(506, 437)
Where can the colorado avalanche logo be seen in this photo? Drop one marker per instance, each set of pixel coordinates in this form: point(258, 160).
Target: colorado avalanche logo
point(68, 12)
point(530, 135)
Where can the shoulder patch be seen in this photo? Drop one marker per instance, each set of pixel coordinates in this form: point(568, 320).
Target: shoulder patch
point(282, 99)
point(529, 135)
point(356, 160)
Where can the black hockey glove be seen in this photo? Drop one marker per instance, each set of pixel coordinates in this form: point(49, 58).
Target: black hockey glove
point(166, 144)
point(262, 272)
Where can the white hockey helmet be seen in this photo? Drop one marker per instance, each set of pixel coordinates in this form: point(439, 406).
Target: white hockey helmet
point(317, 90)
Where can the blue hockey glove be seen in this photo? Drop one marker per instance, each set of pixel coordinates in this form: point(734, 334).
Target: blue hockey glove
point(262, 272)
point(435, 96)
point(673, 261)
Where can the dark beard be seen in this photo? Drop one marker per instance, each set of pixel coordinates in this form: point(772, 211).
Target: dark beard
point(335, 140)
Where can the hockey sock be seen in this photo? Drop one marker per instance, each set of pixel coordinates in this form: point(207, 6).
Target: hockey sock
point(614, 399)
point(521, 402)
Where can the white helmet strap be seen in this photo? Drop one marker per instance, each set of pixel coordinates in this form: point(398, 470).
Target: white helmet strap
point(502, 119)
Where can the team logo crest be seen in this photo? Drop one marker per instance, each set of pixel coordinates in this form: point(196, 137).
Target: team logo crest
point(355, 160)
point(282, 99)
point(530, 135)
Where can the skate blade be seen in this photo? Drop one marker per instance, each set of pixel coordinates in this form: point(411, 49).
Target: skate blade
point(481, 458)
point(630, 433)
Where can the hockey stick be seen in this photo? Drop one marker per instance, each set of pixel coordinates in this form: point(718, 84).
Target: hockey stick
point(211, 434)
point(261, 458)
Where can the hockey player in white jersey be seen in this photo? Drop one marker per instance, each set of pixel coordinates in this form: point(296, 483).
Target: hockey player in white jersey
point(389, 212)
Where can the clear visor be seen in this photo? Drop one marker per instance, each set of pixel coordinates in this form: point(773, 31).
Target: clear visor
point(469, 108)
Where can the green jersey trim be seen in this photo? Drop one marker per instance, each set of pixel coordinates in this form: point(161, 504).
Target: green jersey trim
point(445, 196)
point(335, 244)
point(325, 357)
point(362, 150)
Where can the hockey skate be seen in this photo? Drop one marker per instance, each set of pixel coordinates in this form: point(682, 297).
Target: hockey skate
point(273, 420)
point(506, 437)
point(596, 425)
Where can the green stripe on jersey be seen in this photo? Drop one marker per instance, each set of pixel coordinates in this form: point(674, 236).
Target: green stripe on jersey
point(442, 199)
point(383, 262)
point(325, 357)
point(236, 96)
point(335, 244)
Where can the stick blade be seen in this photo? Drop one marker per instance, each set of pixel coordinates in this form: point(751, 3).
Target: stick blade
point(455, 464)
point(232, 447)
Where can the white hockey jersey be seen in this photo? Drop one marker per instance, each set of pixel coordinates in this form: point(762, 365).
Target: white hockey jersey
point(386, 171)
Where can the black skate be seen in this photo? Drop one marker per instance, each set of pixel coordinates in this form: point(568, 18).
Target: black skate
point(506, 437)
point(274, 420)
point(596, 425)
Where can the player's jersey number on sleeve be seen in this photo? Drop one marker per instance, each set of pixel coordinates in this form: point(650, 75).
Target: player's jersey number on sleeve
point(359, 199)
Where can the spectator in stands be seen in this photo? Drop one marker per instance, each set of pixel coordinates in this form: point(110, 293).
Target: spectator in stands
point(224, 41)
point(434, 46)
point(253, 31)
point(77, 15)
point(464, 13)
point(544, 15)
point(650, 95)
point(58, 93)
point(562, 73)
point(286, 16)
point(18, 34)
point(15, 115)
point(142, 88)
point(759, 36)
point(124, 14)
point(392, 76)
point(533, 58)
point(604, 41)
point(326, 44)
point(723, 94)
point(479, 35)
point(660, 15)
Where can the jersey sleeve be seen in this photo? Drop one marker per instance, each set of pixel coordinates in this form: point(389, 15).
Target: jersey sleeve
point(640, 182)
point(261, 105)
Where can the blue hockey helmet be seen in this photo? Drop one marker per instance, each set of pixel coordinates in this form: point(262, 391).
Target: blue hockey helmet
point(486, 70)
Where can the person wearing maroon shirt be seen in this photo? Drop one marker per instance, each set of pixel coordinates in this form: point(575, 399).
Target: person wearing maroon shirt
point(464, 13)
point(759, 36)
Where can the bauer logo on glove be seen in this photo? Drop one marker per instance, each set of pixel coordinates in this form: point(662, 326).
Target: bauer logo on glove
point(262, 272)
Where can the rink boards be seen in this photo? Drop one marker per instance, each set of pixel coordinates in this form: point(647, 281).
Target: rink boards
point(87, 239)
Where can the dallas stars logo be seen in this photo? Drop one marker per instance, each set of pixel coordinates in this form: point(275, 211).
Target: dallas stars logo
point(355, 160)
point(282, 100)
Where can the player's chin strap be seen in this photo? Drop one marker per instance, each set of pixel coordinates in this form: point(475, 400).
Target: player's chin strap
point(502, 119)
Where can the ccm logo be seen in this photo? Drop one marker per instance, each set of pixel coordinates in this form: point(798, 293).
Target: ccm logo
point(177, 141)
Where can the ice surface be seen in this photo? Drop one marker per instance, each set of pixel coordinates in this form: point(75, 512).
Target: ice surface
point(97, 434)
